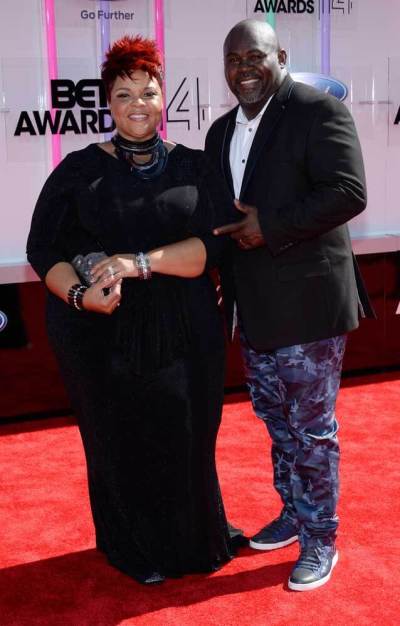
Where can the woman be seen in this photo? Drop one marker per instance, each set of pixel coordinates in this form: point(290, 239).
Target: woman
point(146, 379)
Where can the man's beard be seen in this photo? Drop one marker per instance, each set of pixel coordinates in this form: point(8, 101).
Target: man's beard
point(251, 96)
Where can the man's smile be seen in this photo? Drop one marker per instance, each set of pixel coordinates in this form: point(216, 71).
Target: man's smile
point(248, 82)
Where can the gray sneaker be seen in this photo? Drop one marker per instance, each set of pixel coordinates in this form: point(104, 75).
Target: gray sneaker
point(313, 568)
point(278, 534)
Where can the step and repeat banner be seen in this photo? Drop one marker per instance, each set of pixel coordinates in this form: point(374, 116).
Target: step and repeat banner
point(52, 101)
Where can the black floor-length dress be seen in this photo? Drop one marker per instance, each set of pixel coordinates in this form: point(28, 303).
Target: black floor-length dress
point(146, 382)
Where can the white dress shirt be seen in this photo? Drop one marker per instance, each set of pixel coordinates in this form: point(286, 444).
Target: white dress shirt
point(241, 143)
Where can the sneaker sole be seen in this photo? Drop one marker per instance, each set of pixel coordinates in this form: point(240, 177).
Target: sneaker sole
point(272, 546)
point(317, 583)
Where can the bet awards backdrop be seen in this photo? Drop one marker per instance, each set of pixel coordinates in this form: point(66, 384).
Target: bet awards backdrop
point(52, 101)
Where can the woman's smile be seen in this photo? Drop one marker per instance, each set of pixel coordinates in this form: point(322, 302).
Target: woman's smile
point(136, 105)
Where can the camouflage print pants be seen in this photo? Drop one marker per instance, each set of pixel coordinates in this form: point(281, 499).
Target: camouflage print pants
point(293, 390)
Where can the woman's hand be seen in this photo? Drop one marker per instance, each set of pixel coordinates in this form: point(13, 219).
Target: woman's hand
point(115, 267)
point(95, 300)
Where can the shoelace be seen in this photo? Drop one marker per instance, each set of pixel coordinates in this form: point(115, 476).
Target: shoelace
point(310, 558)
point(277, 525)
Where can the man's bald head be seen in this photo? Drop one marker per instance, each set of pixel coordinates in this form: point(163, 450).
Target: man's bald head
point(254, 64)
point(262, 30)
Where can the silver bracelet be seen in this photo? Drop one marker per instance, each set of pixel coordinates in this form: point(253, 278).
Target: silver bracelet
point(142, 262)
point(75, 296)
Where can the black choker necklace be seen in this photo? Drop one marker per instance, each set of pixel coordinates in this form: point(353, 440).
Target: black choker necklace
point(126, 151)
point(136, 147)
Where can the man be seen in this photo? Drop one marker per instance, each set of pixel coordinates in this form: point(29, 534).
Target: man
point(291, 157)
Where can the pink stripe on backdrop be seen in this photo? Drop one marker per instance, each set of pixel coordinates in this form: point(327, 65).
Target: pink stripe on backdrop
point(52, 69)
point(159, 31)
point(105, 41)
point(325, 25)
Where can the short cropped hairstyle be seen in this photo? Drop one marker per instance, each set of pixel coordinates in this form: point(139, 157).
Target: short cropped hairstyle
point(127, 55)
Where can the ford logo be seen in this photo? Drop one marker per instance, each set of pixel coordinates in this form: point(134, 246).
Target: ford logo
point(3, 320)
point(322, 82)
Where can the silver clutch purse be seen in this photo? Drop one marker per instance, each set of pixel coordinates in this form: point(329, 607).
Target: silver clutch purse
point(84, 264)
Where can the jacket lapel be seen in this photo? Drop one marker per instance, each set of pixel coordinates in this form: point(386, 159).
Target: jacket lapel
point(226, 142)
point(269, 120)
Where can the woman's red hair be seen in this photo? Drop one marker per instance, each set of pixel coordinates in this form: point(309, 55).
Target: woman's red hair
point(127, 55)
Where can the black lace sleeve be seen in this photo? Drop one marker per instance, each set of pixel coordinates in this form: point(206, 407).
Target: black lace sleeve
point(215, 208)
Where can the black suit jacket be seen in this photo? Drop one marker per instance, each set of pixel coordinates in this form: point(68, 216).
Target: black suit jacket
point(305, 175)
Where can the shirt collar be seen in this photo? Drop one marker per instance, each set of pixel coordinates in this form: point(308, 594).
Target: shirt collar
point(242, 119)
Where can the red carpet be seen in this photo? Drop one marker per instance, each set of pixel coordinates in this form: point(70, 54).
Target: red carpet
point(51, 574)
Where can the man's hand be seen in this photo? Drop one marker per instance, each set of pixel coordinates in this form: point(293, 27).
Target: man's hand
point(247, 233)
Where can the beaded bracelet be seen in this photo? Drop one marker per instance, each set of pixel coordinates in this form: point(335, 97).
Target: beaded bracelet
point(75, 296)
point(142, 261)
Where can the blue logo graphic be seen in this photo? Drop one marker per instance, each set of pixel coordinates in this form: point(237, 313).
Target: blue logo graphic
point(3, 320)
point(322, 82)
